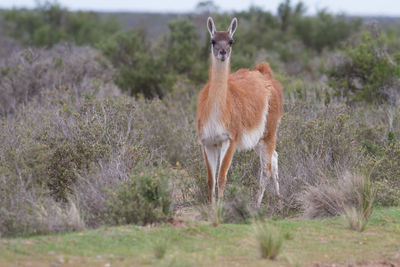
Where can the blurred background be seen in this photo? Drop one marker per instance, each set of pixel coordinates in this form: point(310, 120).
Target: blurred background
point(357, 7)
point(98, 102)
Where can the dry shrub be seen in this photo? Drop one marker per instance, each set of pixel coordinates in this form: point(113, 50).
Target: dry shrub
point(97, 140)
point(314, 142)
point(7, 46)
point(25, 209)
point(237, 206)
point(66, 145)
point(76, 140)
point(333, 198)
point(26, 73)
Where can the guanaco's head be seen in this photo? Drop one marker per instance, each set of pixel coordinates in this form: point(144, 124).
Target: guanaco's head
point(221, 42)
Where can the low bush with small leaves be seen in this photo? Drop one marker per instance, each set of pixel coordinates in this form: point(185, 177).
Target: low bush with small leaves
point(145, 198)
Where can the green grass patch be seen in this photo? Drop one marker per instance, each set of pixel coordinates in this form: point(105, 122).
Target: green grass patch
point(199, 243)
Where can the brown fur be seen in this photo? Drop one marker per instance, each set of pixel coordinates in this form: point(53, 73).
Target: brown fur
point(245, 99)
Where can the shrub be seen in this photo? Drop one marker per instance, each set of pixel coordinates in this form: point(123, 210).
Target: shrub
point(7, 46)
point(314, 143)
point(237, 205)
point(325, 30)
point(286, 13)
point(49, 24)
point(26, 209)
point(367, 71)
point(69, 157)
point(269, 240)
point(183, 51)
point(139, 70)
point(385, 172)
point(143, 199)
point(387, 194)
point(82, 150)
point(25, 74)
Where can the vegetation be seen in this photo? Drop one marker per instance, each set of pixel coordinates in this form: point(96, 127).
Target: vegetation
point(139, 70)
point(368, 72)
point(97, 129)
point(269, 240)
point(143, 199)
point(160, 248)
point(312, 242)
point(49, 23)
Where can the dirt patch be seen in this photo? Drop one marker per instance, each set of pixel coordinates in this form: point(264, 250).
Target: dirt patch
point(393, 261)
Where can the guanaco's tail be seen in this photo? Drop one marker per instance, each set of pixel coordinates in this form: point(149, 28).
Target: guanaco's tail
point(264, 68)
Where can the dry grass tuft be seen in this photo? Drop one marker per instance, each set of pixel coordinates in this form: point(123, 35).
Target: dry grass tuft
point(269, 240)
point(355, 219)
point(160, 248)
point(352, 195)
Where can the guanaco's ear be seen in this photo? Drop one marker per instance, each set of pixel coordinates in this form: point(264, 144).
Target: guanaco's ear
point(232, 27)
point(210, 26)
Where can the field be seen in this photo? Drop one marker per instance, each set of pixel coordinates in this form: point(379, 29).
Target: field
point(323, 242)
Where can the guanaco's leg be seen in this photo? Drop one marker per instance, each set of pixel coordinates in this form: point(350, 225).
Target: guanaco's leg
point(269, 165)
point(227, 150)
point(211, 158)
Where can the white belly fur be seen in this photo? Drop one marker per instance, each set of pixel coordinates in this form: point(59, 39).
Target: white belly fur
point(250, 139)
point(214, 133)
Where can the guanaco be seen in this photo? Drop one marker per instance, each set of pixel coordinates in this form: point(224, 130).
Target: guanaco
point(237, 111)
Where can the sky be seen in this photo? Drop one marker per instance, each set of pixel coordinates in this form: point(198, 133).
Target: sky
point(350, 7)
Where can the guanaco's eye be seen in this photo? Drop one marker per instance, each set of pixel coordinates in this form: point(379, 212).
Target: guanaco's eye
point(213, 42)
point(230, 42)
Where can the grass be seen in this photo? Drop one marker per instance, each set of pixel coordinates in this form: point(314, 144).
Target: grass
point(355, 219)
point(324, 241)
point(269, 240)
point(160, 248)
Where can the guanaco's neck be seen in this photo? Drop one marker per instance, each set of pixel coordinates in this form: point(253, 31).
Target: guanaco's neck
point(219, 74)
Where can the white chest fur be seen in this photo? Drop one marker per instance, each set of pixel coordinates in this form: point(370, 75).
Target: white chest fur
point(214, 132)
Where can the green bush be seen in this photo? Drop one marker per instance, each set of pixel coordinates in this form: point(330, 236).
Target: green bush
point(152, 70)
point(386, 193)
point(325, 30)
point(70, 157)
point(139, 70)
point(290, 33)
point(183, 51)
point(367, 72)
point(143, 199)
point(49, 23)
point(385, 173)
